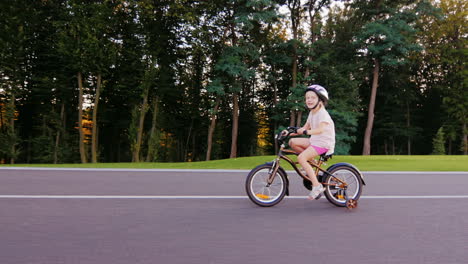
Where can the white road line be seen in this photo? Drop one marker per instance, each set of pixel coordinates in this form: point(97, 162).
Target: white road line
point(213, 197)
point(117, 197)
point(415, 197)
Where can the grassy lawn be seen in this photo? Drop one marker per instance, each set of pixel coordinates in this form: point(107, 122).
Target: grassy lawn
point(364, 163)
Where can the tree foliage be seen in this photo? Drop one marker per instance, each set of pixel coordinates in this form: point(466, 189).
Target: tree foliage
point(181, 80)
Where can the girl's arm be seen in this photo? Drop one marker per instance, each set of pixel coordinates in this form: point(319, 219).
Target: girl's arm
point(300, 130)
point(306, 126)
point(314, 131)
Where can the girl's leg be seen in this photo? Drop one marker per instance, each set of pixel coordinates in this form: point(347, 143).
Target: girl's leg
point(317, 187)
point(299, 144)
point(308, 154)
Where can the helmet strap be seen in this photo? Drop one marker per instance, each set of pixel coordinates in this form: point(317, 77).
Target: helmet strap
point(315, 106)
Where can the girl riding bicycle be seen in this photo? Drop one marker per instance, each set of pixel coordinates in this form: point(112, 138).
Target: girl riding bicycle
point(321, 129)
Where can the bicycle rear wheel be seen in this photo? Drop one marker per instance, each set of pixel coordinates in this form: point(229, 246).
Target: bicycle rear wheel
point(335, 189)
point(262, 193)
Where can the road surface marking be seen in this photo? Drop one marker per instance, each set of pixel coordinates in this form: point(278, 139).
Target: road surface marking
point(213, 197)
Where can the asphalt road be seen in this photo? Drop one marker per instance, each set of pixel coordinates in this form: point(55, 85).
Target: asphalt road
point(104, 216)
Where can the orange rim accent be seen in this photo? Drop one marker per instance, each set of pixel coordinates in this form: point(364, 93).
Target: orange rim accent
point(262, 196)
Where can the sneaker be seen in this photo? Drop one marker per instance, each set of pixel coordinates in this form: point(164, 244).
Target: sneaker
point(316, 192)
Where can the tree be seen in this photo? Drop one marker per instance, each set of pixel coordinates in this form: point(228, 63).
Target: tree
point(386, 40)
point(216, 89)
point(438, 143)
point(445, 39)
point(332, 63)
point(296, 14)
point(234, 66)
point(86, 38)
point(103, 54)
point(181, 80)
point(14, 68)
point(313, 9)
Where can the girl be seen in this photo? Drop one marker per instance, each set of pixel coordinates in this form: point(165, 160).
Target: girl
point(321, 129)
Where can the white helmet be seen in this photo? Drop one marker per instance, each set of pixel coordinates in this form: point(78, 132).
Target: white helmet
point(320, 91)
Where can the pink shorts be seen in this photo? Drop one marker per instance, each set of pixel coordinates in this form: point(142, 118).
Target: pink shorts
point(319, 150)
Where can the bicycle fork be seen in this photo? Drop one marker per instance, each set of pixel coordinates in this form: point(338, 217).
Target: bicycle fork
point(272, 172)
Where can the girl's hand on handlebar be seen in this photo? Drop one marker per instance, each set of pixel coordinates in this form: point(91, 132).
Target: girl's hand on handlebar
point(293, 131)
point(300, 131)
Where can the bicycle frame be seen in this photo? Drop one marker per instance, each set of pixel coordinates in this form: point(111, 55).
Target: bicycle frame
point(282, 155)
point(338, 179)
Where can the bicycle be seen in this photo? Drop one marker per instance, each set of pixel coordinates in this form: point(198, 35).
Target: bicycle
point(268, 183)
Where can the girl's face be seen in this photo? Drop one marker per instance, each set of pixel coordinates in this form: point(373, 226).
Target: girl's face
point(311, 99)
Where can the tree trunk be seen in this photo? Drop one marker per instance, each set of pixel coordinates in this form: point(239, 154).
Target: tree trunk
point(370, 115)
point(294, 8)
point(292, 121)
point(194, 149)
point(2, 128)
point(312, 10)
point(144, 108)
point(57, 137)
point(408, 124)
point(465, 139)
point(212, 128)
point(12, 128)
point(449, 146)
point(299, 119)
point(28, 155)
point(310, 58)
point(235, 124)
point(275, 102)
point(187, 142)
point(292, 118)
point(95, 111)
point(152, 135)
point(80, 119)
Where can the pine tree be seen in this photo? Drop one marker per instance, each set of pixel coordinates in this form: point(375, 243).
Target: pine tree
point(438, 143)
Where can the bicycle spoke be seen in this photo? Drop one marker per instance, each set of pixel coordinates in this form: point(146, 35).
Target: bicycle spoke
point(342, 180)
point(263, 191)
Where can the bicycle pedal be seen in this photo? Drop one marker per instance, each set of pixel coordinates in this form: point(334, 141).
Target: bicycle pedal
point(339, 196)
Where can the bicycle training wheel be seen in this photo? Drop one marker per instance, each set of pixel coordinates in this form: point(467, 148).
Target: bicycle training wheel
point(262, 193)
point(334, 189)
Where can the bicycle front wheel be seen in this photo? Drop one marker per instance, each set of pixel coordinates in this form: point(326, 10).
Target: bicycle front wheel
point(342, 182)
point(262, 193)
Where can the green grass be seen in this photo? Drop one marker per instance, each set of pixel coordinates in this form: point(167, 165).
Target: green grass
point(364, 163)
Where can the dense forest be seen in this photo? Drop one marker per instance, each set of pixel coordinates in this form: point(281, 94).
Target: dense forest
point(185, 80)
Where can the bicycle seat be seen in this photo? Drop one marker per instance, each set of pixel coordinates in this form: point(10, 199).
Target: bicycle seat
point(326, 156)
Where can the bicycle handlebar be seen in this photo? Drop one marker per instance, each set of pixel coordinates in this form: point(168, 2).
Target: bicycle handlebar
point(281, 136)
